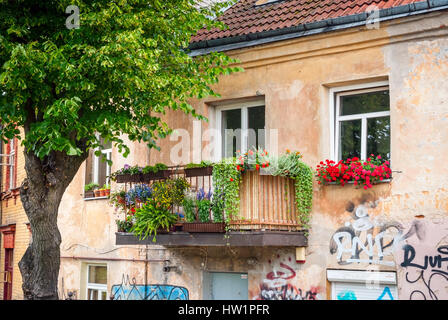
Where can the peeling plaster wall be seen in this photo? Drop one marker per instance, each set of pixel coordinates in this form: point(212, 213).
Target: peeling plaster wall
point(294, 77)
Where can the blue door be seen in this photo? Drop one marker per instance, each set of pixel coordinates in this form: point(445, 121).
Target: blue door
point(225, 286)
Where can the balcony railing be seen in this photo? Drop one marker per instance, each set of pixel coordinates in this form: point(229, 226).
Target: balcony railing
point(266, 202)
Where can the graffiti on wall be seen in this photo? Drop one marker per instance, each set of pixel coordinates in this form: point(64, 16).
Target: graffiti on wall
point(130, 290)
point(423, 259)
point(277, 285)
point(363, 239)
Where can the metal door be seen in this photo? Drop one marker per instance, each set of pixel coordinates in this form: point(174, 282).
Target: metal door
point(225, 286)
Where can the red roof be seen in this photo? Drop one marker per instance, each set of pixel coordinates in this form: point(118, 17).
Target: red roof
point(245, 17)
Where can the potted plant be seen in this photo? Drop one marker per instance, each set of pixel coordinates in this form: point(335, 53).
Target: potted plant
point(124, 226)
point(254, 159)
point(118, 199)
point(89, 190)
point(198, 214)
point(153, 217)
point(97, 191)
point(361, 173)
point(205, 168)
point(106, 189)
point(127, 174)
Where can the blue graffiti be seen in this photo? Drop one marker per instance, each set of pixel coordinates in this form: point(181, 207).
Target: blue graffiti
point(347, 295)
point(386, 291)
point(132, 291)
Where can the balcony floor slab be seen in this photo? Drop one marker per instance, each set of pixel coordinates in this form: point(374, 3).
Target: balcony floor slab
point(232, 238)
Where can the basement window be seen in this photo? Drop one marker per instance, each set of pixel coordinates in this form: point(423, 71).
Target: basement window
point(97, 282)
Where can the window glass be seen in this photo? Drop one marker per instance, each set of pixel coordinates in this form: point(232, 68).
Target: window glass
point(364, 124)
point(256, 118)
point(365, 103)
point(105, 145)
point(92, 294)
point(97, 168)
point(89, 168)
point(231, 132)
point(350, 139)
point(102, 171)
point(98, 274)
point(378, 137)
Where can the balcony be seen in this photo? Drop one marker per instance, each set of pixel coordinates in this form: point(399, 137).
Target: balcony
point(267, 214)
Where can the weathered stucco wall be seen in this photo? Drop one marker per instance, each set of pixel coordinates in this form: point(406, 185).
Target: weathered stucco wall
point(295, 77)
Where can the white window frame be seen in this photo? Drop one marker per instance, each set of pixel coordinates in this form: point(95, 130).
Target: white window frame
point(100, 288)
point(244, 106)
point(335, 118)
point(12, 155)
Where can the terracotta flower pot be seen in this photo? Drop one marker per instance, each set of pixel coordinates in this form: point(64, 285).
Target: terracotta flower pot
point(102, 193)
point(89, 194)
point(107, 192)
point(97, 193)
point(121, 200)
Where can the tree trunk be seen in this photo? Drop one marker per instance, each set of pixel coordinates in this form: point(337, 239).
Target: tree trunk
point(41, 193)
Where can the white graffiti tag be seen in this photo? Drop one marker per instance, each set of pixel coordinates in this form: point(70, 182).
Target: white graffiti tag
point(374, 240)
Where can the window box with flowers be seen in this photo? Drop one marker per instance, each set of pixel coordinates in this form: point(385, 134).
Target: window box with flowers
point(138, 174)
point(89, 190)
point(353, 170)
point(204, 168)
point(156, 172)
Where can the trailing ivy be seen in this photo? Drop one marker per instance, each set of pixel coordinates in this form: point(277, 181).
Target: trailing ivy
point(226, 190)
point(304, 193)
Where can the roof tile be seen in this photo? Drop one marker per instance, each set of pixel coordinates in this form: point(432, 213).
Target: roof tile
point(245, 18)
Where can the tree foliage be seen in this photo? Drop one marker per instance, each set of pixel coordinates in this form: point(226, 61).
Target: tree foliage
point(116, 74)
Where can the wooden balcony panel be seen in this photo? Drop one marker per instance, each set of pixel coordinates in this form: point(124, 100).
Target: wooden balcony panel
point(266, 202)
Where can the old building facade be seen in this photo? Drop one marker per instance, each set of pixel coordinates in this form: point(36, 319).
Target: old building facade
point(362, 244)
point(304, 81)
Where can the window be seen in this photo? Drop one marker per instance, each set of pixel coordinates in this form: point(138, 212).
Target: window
point(97, 169)
point(362, 285)
point(97, 282)
point(241, 127)
point(12, 162)
point(362, 122)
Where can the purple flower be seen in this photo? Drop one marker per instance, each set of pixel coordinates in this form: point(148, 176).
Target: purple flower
point(201, 194)
point(126, 166)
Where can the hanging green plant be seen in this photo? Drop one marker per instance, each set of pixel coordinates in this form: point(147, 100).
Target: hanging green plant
point(290, 165)
point(152, 217)
point(304, 193)
point(226, 199)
